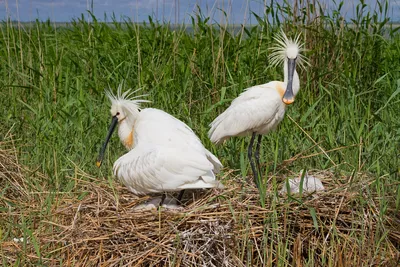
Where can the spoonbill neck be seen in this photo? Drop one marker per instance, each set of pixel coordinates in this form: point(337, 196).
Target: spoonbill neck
point(126, 134)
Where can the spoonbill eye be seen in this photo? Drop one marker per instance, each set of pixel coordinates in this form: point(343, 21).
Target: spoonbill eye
point(117, 114)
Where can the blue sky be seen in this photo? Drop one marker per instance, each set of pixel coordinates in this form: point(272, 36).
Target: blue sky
point(167, 10)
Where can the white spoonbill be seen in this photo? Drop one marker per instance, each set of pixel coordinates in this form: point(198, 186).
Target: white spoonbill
point(259, 109)
point(165, 155)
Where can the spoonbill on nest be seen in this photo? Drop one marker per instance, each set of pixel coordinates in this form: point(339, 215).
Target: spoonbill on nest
point(165, 155)
point(259, 109)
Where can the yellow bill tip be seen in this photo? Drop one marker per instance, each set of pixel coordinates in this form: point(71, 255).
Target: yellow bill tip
point(98, 164)
point(288, 101)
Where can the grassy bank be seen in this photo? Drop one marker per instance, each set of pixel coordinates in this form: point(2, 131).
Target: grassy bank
point(55, 114)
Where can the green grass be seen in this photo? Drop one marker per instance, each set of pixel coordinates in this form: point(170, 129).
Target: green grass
point(52, 97)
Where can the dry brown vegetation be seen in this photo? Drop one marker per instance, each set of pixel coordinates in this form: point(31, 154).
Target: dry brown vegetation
point(97, 225)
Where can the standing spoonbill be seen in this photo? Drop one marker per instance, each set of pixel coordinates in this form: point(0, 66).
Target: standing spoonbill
point(259, 109)
point(164, 155)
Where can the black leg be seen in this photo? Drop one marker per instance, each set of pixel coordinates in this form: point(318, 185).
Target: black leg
point(164, 195)
point(257, 153)
point(180, 196)
point(250, 155)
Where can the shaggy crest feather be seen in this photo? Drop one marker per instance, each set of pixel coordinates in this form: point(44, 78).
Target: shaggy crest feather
point(125, 100)
point(287, 48)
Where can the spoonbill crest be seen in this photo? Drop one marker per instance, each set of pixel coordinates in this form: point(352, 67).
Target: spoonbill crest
point(164, 155)
point(259, 109)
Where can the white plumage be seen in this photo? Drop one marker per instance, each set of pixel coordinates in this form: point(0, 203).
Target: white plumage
point(164, 153)
point(259, 109)
point(151, 169)
point(310, 184)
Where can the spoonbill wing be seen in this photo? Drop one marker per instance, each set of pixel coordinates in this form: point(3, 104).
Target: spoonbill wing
point(160, 128)
point(151, 169)
point(259, 108)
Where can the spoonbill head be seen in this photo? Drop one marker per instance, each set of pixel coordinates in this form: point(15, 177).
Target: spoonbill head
point(288, 51)
point(124, 112)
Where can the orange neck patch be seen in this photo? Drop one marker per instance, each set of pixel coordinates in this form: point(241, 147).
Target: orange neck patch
point(128, 142)
point(280, 89)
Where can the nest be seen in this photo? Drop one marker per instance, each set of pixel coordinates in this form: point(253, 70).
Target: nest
point(97, 225)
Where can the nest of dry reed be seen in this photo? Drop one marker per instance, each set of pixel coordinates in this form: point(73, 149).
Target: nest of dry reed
point(96, 225)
